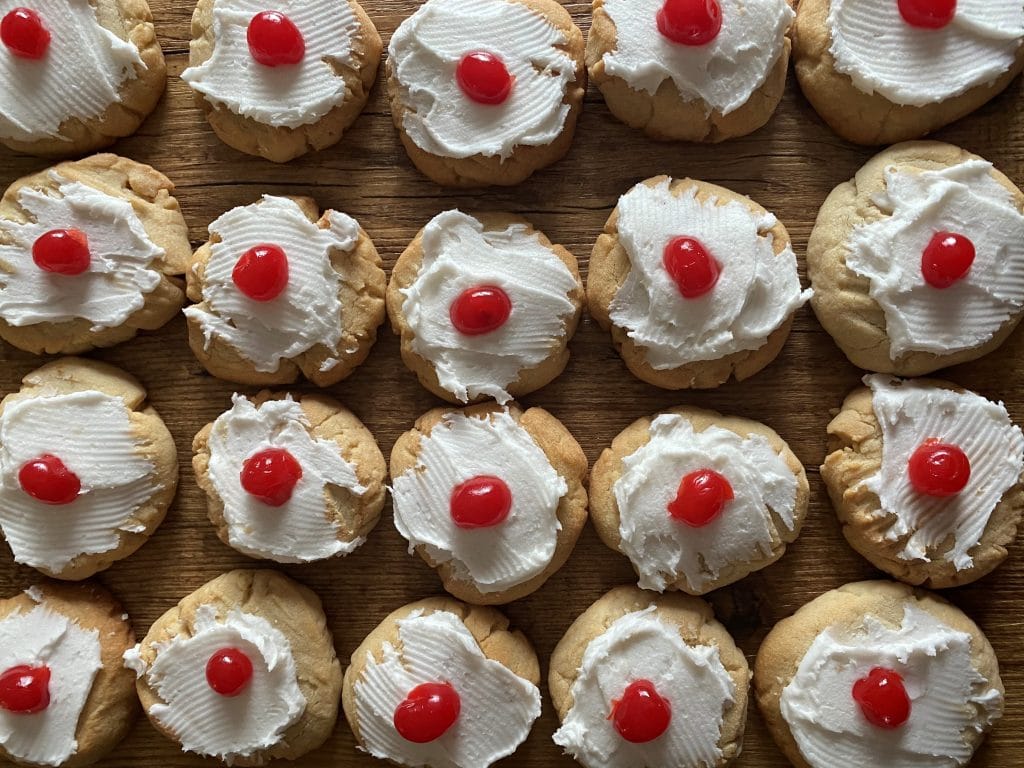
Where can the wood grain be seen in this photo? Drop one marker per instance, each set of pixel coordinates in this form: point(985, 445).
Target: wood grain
point(789, 167)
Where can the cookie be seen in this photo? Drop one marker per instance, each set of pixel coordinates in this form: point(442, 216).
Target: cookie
point(697, 500)
point(877, 673)
point(91, 253)
point(290, 480)
point(917, 263)
point(77, 74)
point(491, 497)
point(879, 71)
point(87, 468)
point(442, 683)
point(243, 669)
point(696, 283)
point(281, 83)
point(486, 91)
point(926, 479)
point(642, 679)
point(690, 71)
point(282, 291)
point(65, 699)
point(485, 306)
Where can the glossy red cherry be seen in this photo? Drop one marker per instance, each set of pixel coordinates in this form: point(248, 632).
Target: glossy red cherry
point(274, 40)
point(262, 272)
point(24, 34)
point(939, 469)
point(427, 712)
point(690, 265)
point(25, 690)
point(229, 671)
point(641, 715)
point(270, 475)
point(481, 502)
point(480, 310)
point(483, 77)
point(946, 259)
point(882, 698)
point(701, 498)
point(62, 252)
point(48, 480)
point(690, 22)
point(927, 14)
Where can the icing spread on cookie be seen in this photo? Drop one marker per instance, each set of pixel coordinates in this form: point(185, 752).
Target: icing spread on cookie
point(692, 678)
point(462, 447)
point(663, 550)
point(911, 66)
point(439, 117)
point(755, 293)
point(93, 435)
point(458, 254)
point(300, 530)
point(306, 314)
point(498, 706)
point(121, 271)
point(723, 73)
point(963, 198)
point(949, 697)
point(288, 96)
point(204, 721)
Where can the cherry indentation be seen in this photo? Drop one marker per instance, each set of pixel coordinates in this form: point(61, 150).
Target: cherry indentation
point(271, 476)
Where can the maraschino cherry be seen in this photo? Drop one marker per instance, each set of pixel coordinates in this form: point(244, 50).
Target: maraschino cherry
point(262, 272)
point(24, 34)
point(271, 475)
point(692, 268)
point(62, 252)
point(47, 479)
point(274, 40)
point(481, 502)
point(25, 690)
point(229, 671)
point(484, 78)
point(690, 22)
point(641, 715)
point(427, 712)
point(882, 698)
point(701, 498)
point(927, 14)
point(480, 310)
point(939, 469)
point(946, 259)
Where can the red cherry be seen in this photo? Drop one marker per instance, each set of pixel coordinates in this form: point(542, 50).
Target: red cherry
point(480, 310)
point(271, 476)
point(274, 40)
point(228, 671)
point(481, 502)
point(427, 712)
point(62, 252)
point(701, 498)
point(25, 690)
point(48, 480)
point(927, 14)
point(483, 77)
point(691, 266)
point(882, 698)
point(262, 272)
point(641, 715)
point(22, 31)
point(690, 22)
point(947, 258)
point(939, 469)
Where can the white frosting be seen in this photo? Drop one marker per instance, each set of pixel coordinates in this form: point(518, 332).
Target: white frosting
point(286, 96)
point(78, 78)
point(457, 255)
point(300, 530)
point(964, 199)
point(204, 721)
point(724, 73)
point(92, 434)
point(661, 548)
point(456, 450)
point(121, 270)
point(497, 706)
point(756, 291)
point(426, 49)
point(883, 54)
point(910, 413)
point(692, 678)
point(44, 637)
point(308, 312)
point(948, 696)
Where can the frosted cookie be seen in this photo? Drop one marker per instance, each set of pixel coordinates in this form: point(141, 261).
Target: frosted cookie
point(697, 500)
point(441, 683)
point(77, 74)
point(281, 82)
point(692, 70)
point(695, 282)
point(90, 253)
point(641, 679)
point(485, 306)
point(491, 497)
point(926, 479)
point(87, 468)
point(284, 291)
point(876, 673)
point(243, 670)
point(882, 71)
point(917, 263)
point(291, 481)
point(486, 91)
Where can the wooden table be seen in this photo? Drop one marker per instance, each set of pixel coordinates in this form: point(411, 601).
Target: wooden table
point(789, 167)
